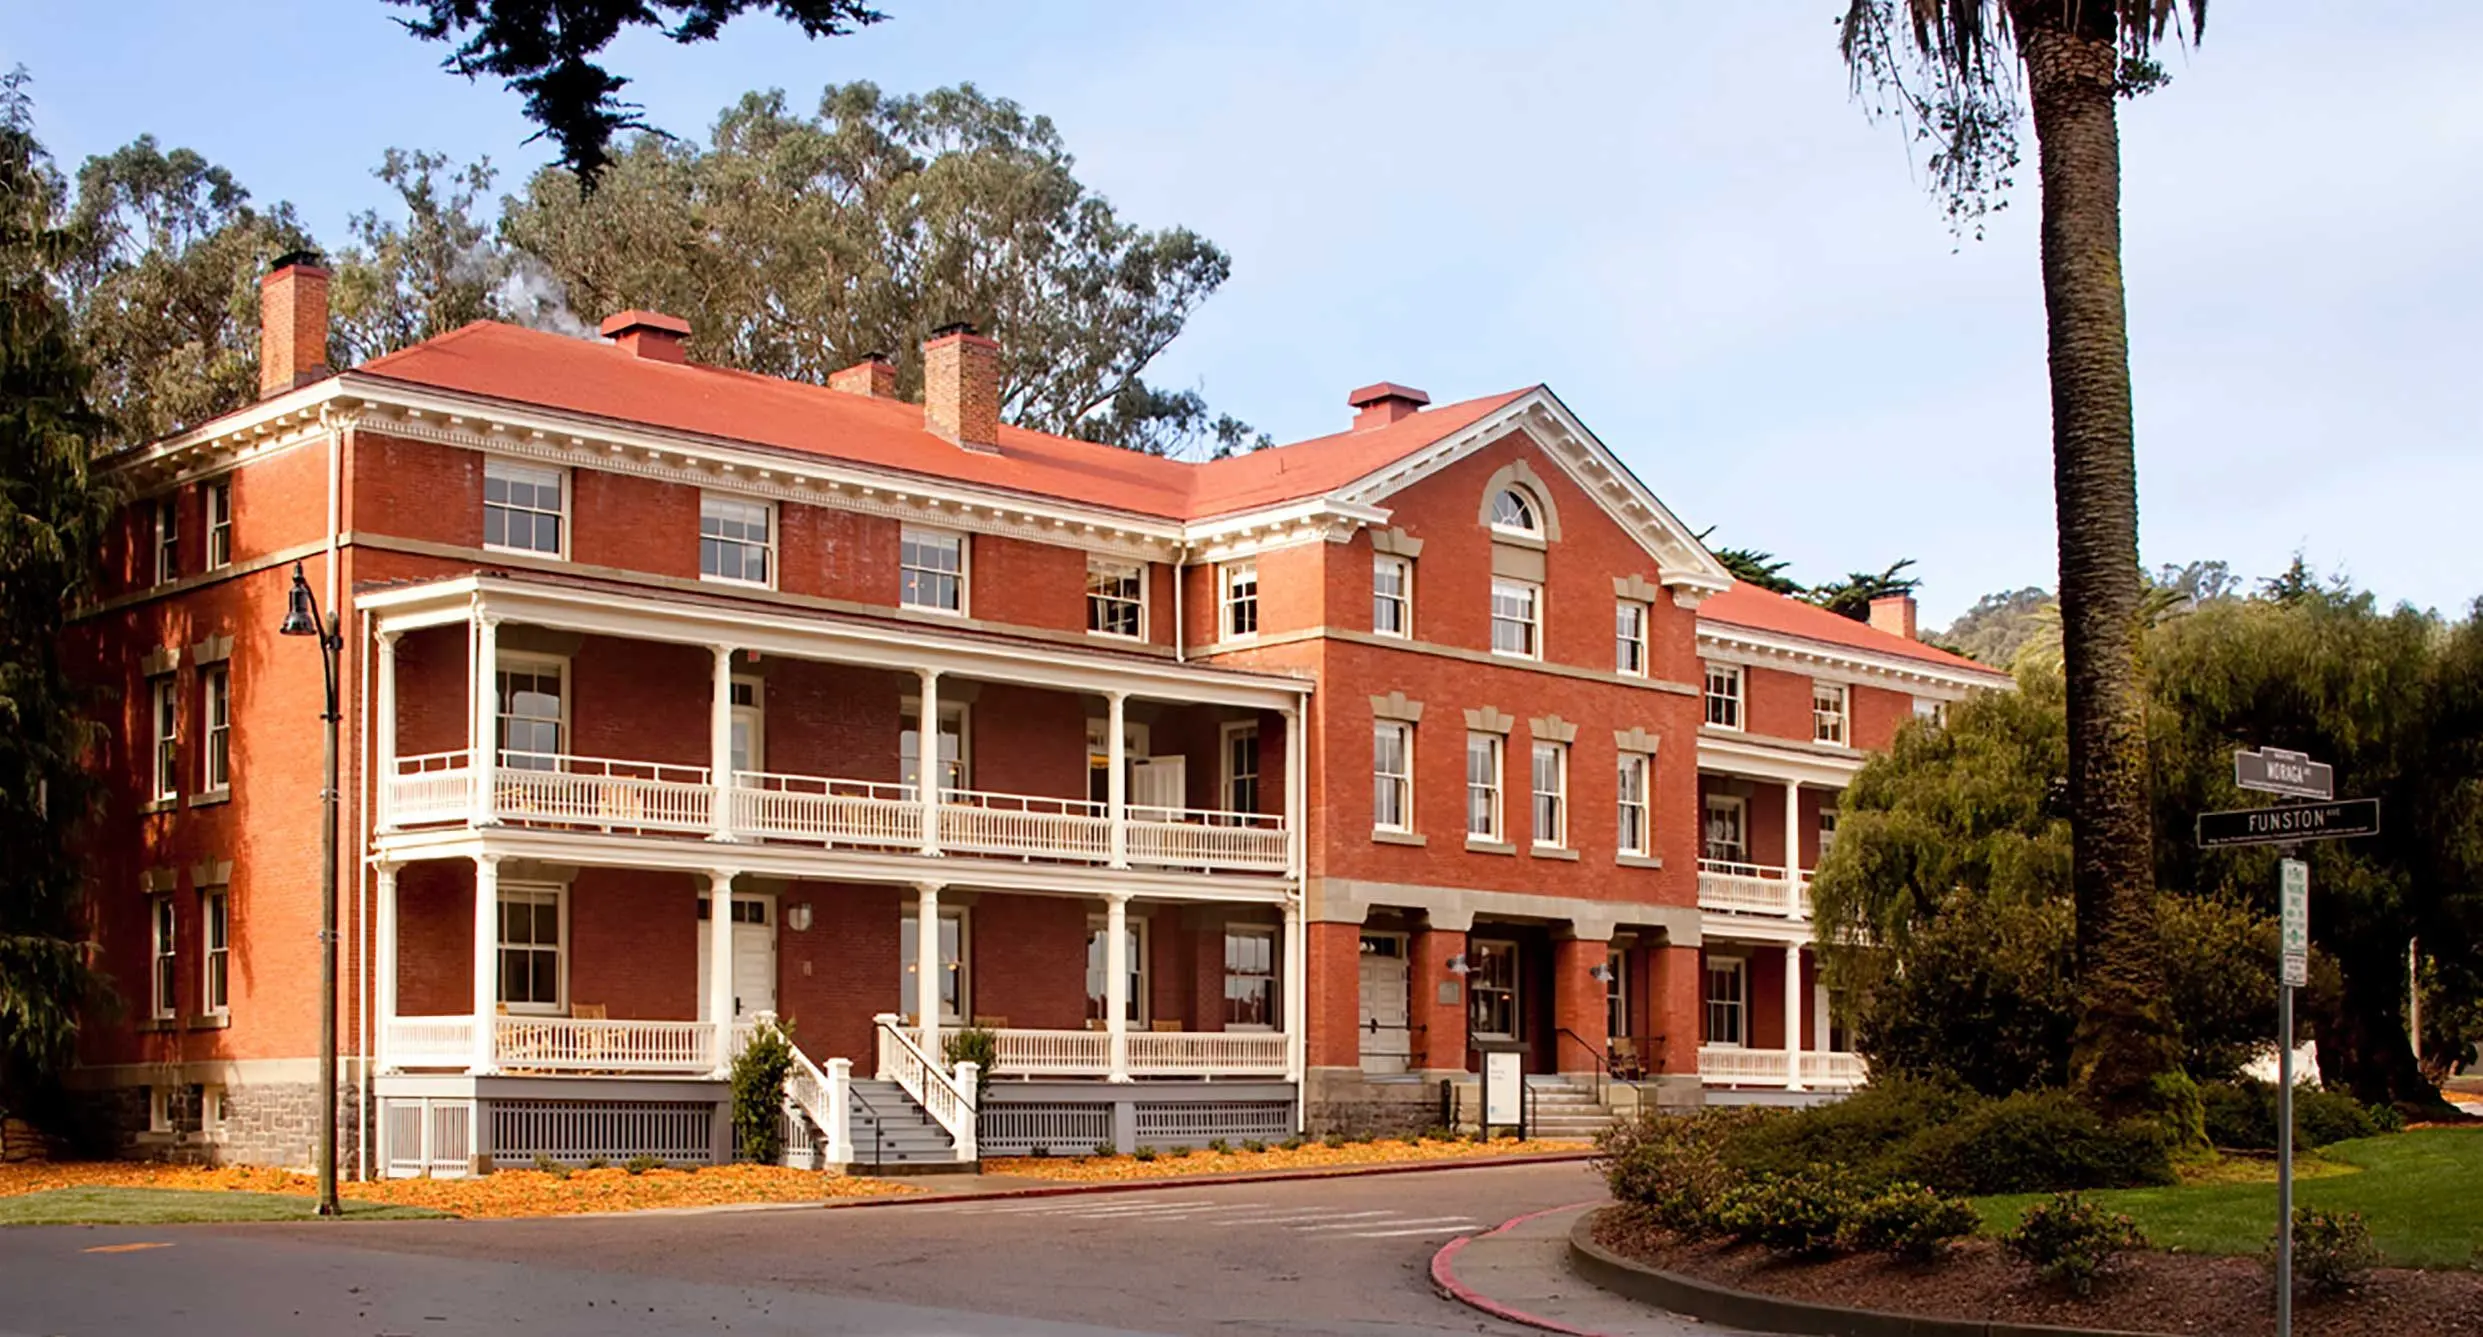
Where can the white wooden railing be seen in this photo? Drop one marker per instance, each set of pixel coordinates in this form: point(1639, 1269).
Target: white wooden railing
point(1833, 1071)
point(566, 791)
point(1036, 1053)
point(427, 1042)
point(1747, 888)
point(948, 1099)
point(1754, 1067)
point(1206, 1053)
point(571, 1044)
point(821, 1097)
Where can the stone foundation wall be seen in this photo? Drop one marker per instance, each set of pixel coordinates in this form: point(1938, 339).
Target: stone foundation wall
point(263, 1123)
point(1346, 1100)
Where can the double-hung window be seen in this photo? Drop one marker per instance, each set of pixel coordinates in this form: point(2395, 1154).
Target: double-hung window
point(219, 524)
point(530, 947)
point(1099, 967)
point(1725, 842)
point(1631, 825)
point(955, 972)
point(1392, 595)
point(1828, 702)
point(1483, 786)
point(1931, 708)
point(1724, 695)
point(1240, 604)
point(215, 917)
point(931, 570)
point(736, 540)
point(1616, 992)
point(1392, 775)
point(1517, 609)
point(216, 756)
point(530, 714)
point(1629, 638)
point(524, 506)
point(1827, 835)
point(165, 939)
point(1116, 600)
point(1249, 978)
point(1491, 990)
point(952, 746)
point(164, 711)
point(168, 539)
point(1241, 768)
point(1551, 795)
point(1728, 1001)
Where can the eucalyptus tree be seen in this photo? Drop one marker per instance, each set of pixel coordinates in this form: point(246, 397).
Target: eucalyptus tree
point(1959, 72)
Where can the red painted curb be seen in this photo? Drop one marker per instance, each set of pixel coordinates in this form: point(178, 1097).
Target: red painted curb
point(1210, 1181)
point(1444, 1276)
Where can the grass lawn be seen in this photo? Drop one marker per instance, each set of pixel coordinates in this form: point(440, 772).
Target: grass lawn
point(165, 1206)
point(2420, 1192)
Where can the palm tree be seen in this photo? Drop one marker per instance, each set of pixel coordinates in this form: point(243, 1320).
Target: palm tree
point(1952, 69)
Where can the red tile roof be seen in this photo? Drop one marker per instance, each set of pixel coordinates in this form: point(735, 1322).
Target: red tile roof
point(1747, 605)
point(505, 362)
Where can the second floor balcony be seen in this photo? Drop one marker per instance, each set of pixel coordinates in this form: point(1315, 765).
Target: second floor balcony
point(1735, 887)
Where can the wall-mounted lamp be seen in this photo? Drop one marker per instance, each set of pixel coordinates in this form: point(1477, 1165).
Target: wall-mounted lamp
point(798, 918)
point(1457, 964)
point(1600, 972)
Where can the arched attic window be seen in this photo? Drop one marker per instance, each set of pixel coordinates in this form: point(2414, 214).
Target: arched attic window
point(1514, 510)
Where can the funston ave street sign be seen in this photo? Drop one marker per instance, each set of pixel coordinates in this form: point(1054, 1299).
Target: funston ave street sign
point(2289, 822)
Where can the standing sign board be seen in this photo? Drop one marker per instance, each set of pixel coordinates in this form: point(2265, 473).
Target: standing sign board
point(1504, 1083)
point(2296, 922)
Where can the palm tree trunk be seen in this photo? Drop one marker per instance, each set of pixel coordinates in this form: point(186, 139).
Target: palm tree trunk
point(2124, 1040)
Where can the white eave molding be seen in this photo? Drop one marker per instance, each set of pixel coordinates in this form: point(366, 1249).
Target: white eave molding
point(1746, 645)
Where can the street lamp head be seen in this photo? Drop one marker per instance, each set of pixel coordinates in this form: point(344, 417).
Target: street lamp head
point(301, 612)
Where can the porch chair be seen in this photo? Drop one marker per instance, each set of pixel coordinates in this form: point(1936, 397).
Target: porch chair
point(1627, 1066)
point(1159, 1024)
point(590, 1042)
point(991, 1023)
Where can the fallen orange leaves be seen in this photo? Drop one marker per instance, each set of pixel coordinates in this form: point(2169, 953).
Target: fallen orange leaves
point(1309, 1156)
point(506, 1193)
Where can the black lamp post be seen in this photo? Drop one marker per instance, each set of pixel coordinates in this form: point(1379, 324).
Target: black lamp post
point(302, 619)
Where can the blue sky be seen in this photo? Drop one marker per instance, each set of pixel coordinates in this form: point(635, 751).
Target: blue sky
point(1671, 213)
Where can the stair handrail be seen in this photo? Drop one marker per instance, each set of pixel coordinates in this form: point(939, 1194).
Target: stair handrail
point(948, 1099)
point(1603, 1061)
point(821, 1096)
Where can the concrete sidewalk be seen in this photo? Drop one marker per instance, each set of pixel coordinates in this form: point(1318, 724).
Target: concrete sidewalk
point(1519, 1271)
point(935, 1188)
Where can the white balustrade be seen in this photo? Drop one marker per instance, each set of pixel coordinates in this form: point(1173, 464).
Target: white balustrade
point(533, 787)
point(427, 1042)
point(949, 1102)
point(981, 822)
point(438, 787)
point(1206, 1053)
point(571, 1044)
point(1745, 887)
point(1831, 1071)
point(1207, 838)
point(1732, 1066)
point(832, 812)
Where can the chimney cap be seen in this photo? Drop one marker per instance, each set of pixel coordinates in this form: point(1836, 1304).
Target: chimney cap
point(953, 327)
point(621, 322)
point(1382, 391)
point(299, 256)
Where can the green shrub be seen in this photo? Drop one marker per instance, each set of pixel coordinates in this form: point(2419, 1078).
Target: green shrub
point(1671, 1167)
point(598, 1162)
point(1865, 1131)
point(2032, 1142)
point(1105, 1151)
point(1254, 1146)
point(2242, 1115)
point(1220, 1146)
point(759, 1093)
point(1806, 1214)
point(642, 1163)
point(977, 1046)
point(2321, 1117)
point(1293, 1143)
point(1176, 1153)
point(1911, 1222)
point(1039, 1152)
point(2070, 1241)
point(2332, 1252)
point(1143, 1153)
point(1335, 1140)
point(551, 1167)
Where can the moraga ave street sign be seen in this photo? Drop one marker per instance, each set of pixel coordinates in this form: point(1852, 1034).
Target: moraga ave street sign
point(2273, 770)
point(2288, 822)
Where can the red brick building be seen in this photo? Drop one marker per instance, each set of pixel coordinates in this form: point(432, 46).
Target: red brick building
point(1256, 792)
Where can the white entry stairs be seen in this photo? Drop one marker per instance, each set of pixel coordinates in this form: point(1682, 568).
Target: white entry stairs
point(1565, 1107)
point(894, 1135)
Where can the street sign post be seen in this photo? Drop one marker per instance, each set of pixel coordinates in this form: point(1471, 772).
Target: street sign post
point(2288, 823)
point(2293, 881)
point(2273, 770)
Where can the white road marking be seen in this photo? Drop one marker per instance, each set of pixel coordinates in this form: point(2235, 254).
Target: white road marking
point(1422, 1230)
point(1082, 1204)
point(1289, 1218)
point(1466, 1221)
point(1148, 1214)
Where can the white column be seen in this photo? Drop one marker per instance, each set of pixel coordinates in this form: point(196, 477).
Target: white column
point(840, 1149)
point(1116, 984)
point(927, 965)
point(927, 763)
point(486, 692)
point(720, 748)
point(384, 924)
point(1295, 988)
point(1793, 846)
point(384, 737)
point(719, 1006)
point(1297, 785)
point(1116, 783)
point(486, 964)
point(1793, 1016)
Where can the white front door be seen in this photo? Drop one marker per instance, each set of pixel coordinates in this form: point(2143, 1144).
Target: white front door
point(754, 956)
point(1387, 1046)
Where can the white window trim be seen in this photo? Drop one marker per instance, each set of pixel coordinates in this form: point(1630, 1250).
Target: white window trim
point(1404, 598)
point(164, 737)
point(755, 713)
point(774, 532)
point(1224, 764)
point(924, 534)
point(219, 497)
point(168, 538)
point(559, 892)
point(1534, 604)
point(568, 522)
point(1534, 510)
point(1499, 786)
point(1646, 616)
point(1843, 714)
point(163, 957)
point(1739, 968)
point(1404, 783)
point(1114, 565)
point(211, 734)
point(527, 661)
point(1708, 672)
point(211, 1110)
point(208, 952)
point(1142, 985)
point(1516, 988)
point(1931, 708)
point(1741, 821)
point(1227, 575)
point(907, 963)
point(1559, 752)
point(159, 1109)
point(1644, 764)
point(1274, 978)
point(911, 707)
point(1616, 990)
point(1824, 836)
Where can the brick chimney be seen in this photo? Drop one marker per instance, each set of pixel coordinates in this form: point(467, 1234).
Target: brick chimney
point(961, 387)
point(874, 375)
point(1384, 403)
point(293, 323)
point(1894, 614)
point(649, 334)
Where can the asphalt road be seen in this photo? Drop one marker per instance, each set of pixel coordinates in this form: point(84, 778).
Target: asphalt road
point(1345, 1256)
